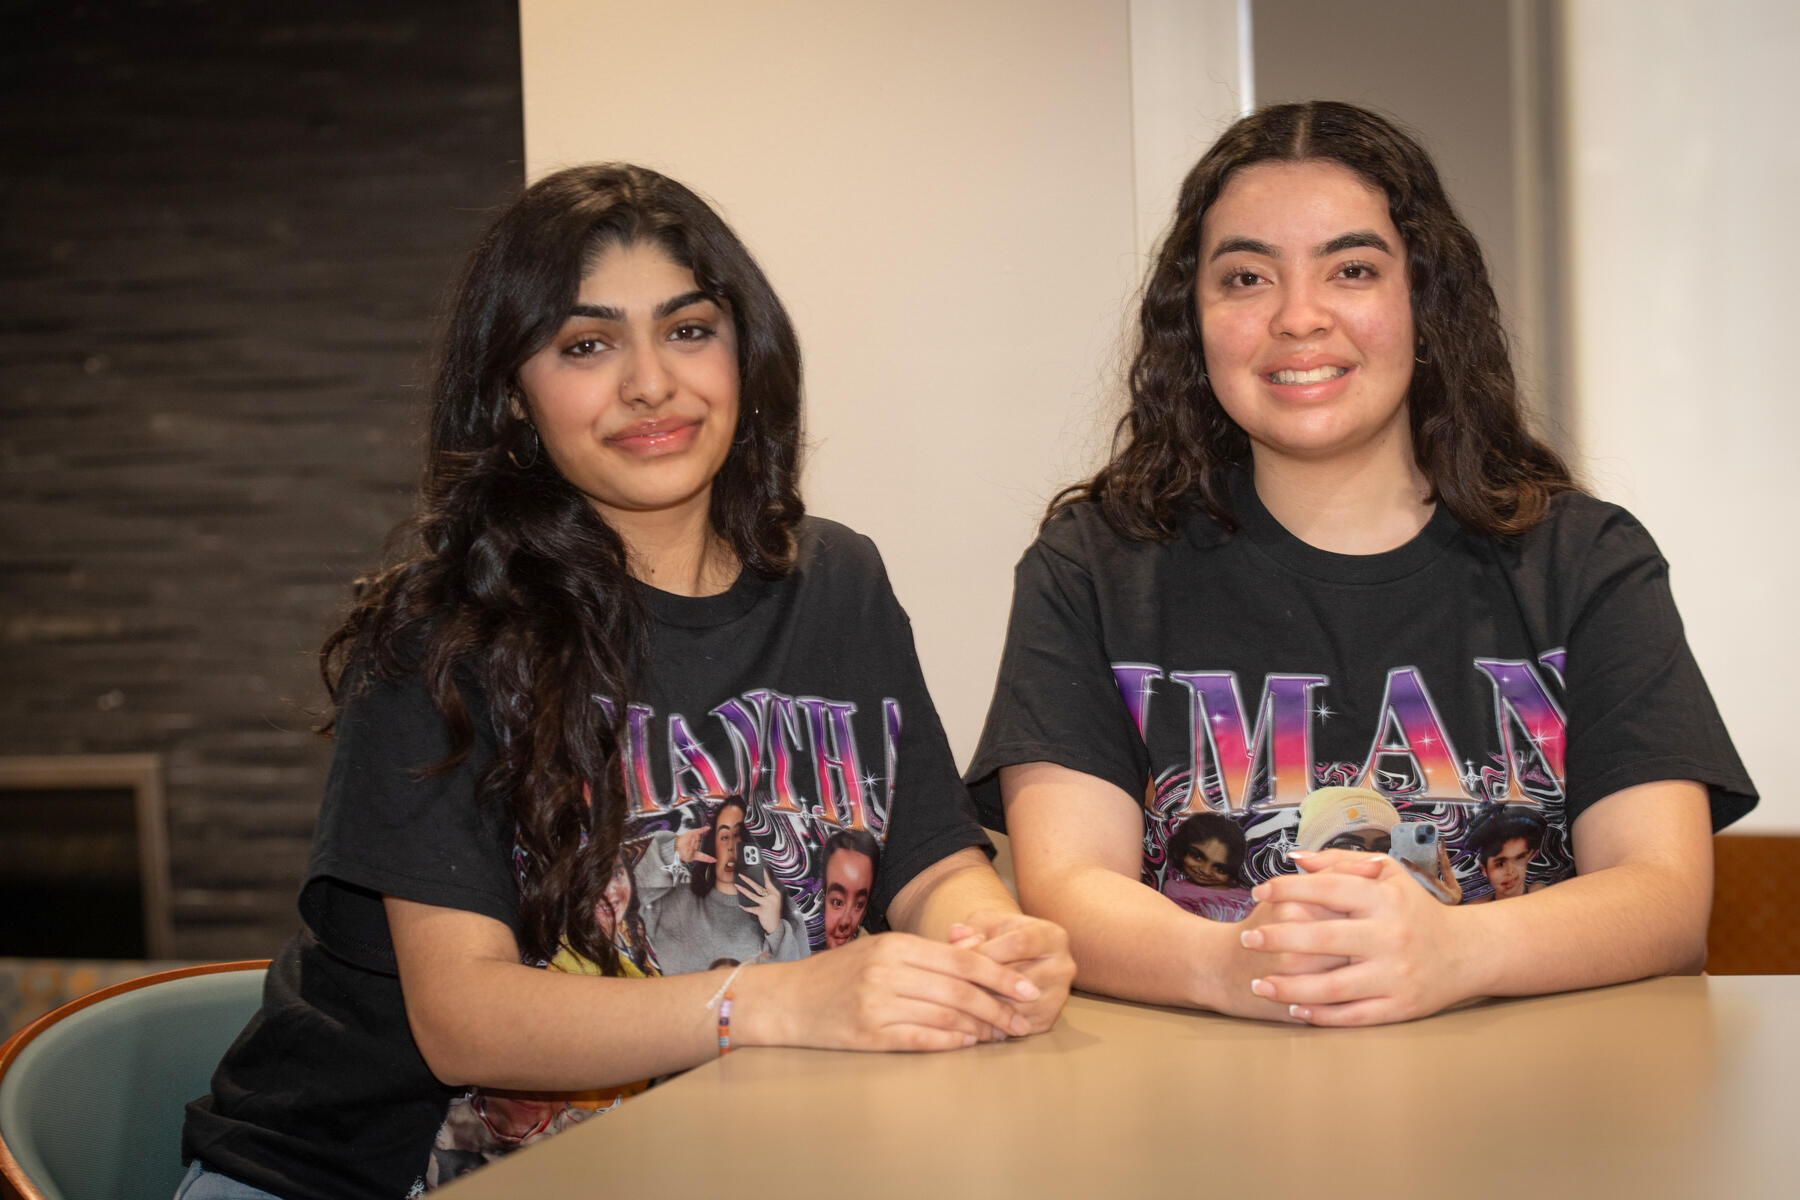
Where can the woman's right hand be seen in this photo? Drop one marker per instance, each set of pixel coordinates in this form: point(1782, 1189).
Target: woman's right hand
point(765, 902)
point(892, 991)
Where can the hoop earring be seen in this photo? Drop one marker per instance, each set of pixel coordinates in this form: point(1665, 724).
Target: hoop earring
point(536, 445)
point(1423, 362)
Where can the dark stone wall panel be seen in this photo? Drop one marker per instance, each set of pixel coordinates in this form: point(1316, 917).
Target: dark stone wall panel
point(226, 232)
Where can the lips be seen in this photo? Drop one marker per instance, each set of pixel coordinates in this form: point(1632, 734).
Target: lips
point(654, 437)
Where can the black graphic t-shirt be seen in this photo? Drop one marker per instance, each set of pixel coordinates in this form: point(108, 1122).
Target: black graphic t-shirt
point(787, 776)
point(1459, 700)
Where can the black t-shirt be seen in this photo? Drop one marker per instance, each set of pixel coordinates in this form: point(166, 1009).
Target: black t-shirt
point(795, 705)
point(1489, 690)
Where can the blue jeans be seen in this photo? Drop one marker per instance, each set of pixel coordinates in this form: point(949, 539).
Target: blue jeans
point(202, 1184)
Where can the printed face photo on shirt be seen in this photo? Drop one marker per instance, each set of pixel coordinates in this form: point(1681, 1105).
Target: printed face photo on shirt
point(1207, 850)
point(1506, 869)
point(848, 877)
point(1207, 864)
point(615, 900)
point(728, 836)
point(1506, 840)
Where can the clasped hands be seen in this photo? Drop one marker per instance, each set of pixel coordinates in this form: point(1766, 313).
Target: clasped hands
point(1351, 940)
point(998, 975)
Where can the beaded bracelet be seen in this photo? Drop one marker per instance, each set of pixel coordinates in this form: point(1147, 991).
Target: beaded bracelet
point(722, 1000)
point(725, 1025)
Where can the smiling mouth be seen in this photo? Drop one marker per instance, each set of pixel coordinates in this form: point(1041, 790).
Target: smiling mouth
point(1316, 375)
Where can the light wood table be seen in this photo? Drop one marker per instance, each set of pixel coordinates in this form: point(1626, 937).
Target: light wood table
point(1671, 1087)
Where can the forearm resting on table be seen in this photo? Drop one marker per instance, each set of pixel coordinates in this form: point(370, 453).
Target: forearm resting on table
point(1077, 846)
point(481, 1017)
point(1639, 907)
point(1129, 941)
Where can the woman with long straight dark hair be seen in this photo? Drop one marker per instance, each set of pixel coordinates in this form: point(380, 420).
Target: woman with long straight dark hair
point(1329, 578)
point(616, 667)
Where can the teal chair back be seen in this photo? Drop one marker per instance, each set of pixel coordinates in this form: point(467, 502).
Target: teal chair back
point(91, 1095)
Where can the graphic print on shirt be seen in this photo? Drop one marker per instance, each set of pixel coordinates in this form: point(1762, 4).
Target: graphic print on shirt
point(755, 836)
point(758, 831)
point(1230, 785)
point(759, 841)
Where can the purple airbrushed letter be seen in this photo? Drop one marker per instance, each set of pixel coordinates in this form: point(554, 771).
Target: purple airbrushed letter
point(795, 754)
point(1230, 752)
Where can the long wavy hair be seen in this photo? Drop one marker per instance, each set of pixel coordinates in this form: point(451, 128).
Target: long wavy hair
point(508, 575)
point(1176, 445)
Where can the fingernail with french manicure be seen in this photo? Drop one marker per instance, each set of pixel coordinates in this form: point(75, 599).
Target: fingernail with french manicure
point(1260, 988)
point(1252, 939)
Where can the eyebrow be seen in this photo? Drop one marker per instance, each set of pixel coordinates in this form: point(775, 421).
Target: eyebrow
point(1362, 239)
point(1359, 239)
point(606, 312)
point(1243, 245)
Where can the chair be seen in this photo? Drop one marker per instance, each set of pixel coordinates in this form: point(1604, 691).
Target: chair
point(91, 1094)
point(1756, 905)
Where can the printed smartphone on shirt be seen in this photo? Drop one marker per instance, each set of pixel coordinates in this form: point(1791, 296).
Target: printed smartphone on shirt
point(750, 865)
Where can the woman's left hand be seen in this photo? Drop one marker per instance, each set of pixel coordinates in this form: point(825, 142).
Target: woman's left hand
point(765, 903)
point(1406, 949)
point(1037, 949)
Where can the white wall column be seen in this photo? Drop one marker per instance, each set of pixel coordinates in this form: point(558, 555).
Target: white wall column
point(1683, 168)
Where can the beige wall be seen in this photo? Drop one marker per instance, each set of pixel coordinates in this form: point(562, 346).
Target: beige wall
point(1684, 165)
point(943, 193)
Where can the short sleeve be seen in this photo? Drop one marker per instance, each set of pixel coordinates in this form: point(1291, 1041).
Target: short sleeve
point(1056, 698)
point(393, 824)
point(931, 816)
point(1639, 709)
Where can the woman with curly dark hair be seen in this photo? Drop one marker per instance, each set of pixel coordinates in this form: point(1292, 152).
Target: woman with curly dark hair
point(1327, 552)
point(612, 628)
